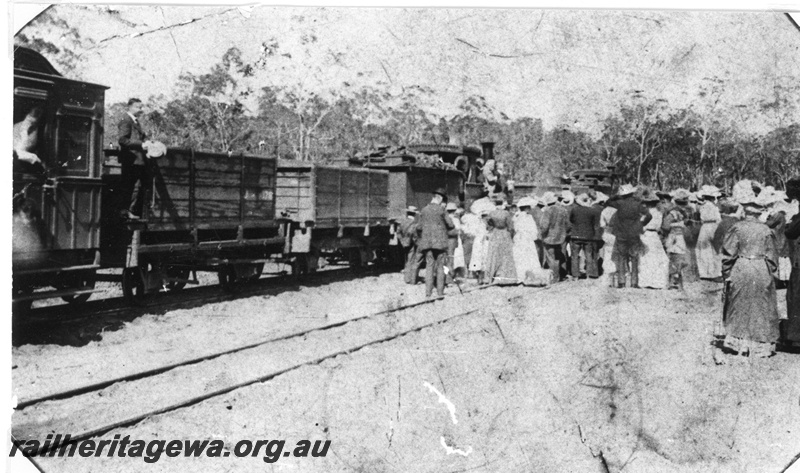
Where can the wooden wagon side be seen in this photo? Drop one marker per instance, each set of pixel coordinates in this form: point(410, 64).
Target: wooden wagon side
point(207, 211)
point(333, 208)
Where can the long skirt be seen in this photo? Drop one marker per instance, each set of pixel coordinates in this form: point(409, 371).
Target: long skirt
point(709, 262)
point(750, 312)
point(654, 263)
point(499, 265)
point(478, 254)
point(526, 256)
point(608, 250)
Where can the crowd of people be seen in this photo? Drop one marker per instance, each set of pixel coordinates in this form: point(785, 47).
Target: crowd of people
point(747, 240)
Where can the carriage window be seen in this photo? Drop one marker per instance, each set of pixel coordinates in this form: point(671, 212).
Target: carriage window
point(74, 144)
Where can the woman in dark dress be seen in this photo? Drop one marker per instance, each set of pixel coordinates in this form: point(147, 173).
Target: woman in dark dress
point(749, 261)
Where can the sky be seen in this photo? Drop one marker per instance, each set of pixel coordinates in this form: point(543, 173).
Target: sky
point(567, 67)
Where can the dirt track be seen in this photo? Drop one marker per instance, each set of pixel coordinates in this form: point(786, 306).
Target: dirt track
point(577, 377)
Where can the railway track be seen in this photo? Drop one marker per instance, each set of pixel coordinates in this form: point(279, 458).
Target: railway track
point(93, 410)
point(63, 314)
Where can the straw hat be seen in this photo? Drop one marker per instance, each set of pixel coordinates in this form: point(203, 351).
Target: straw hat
point(412, 210)
point(600, 198)
point(155, 149)
point(567, 197)
point(451, 207)
point(626, 189)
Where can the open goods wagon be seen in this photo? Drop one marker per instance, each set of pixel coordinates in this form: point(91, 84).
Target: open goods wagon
point(58, 132)
point(331, 209)
point(207, 211)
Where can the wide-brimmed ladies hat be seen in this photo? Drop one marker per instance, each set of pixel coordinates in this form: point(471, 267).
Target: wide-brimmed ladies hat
point(567, 197)
point(584, 200)
point(649, 196)
point(680, 194)
point(549, 198)
point(709, 191)
point(626, 189)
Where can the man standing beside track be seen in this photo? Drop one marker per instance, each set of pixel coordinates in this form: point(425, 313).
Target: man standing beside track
point(433, 225)
point(407, 233)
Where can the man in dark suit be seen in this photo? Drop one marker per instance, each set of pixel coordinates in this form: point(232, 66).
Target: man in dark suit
point(629, 222)
point(433, 225)
point(135, 178)
point(585, 224)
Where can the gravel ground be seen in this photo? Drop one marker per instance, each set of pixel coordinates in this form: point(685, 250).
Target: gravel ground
point(577, 377)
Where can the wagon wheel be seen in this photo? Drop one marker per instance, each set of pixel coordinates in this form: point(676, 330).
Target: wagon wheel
point(21, 307)
point(258, 269)
point(355, 259)
point(300, 265)
point(82, 281)
point(176, 273)
point(133, 287)
point(227, 278)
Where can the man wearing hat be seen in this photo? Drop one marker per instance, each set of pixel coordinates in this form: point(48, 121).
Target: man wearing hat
point(407, 233)
point(555, 221)
point(433, 226)
point(629, 222)
point(585, 224)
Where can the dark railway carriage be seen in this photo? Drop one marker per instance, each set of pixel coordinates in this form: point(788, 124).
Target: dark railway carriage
point(332, 209)
point(56, 204)
point(206, 212)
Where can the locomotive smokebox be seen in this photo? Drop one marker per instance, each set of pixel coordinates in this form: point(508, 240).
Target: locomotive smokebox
point(488, 150)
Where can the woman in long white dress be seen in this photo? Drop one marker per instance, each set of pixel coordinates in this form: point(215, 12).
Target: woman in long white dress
point(654, 263)
point(526, 257)
point(709, 262)
point(481, 208)
point(609, 268)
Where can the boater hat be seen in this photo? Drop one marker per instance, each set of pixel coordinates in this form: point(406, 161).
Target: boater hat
point(526, 202)
point(451, 207)
point(412, 210)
